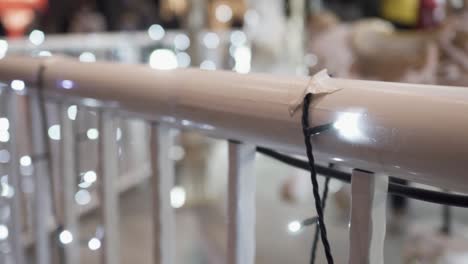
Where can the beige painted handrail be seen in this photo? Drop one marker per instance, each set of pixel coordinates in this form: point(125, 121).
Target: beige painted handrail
point(417, 132)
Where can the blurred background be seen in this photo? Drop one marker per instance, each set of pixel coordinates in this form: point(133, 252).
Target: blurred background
point(416, 41)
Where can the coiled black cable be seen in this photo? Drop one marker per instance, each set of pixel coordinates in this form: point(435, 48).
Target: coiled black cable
point(313, 176)
point(313, 251)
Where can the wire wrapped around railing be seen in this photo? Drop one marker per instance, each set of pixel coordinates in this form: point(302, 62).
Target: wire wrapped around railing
point(431, 196)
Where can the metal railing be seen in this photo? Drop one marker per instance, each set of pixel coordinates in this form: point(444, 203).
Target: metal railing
point(128, 47)
point(415, 132)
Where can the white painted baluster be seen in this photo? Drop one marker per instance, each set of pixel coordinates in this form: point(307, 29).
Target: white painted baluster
point(42, 195)
point(16, 221)
point(241, 204)
point(108, 173)
point(368, 223)
point(69, 180)
point(162, 183)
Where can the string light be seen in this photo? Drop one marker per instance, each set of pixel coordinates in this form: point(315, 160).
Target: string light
point(67, 84)
point(3, 232)
point(66, 237)
point(90, 177)
point(176, 153)
point(94, 244)
point(242, 58)
point(238, 38)
point(156, 32)
point(7, 190)
point(294, 227)
point(72, 112)
point(54, 132)
point(208, 65)
point(92, 133)
point(118, 134)
point(37, 37)
point(223, 13)
point(4, 123)
point(4, 156)
point(181, 42)
point(3, 48)
point(178, 197)
point(163, 59)
point(82, 197)
point(211, 40)
point(183, 59)
point(44, 53)
point(87, 57)
point(17, 85)
point(25, 161)
point(4, 136)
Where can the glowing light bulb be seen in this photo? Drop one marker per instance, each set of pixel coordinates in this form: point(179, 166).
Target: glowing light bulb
point(82, 197)
point(87, 57)
point(178, 197)
point(92, 133)
point(183, 59)
point(242, 57)
point(72, 112)
point(156, 32)
point(208, 65)
point(211, 40)
point(238, 38)
point(37, 37)
point(181, 42)
point(4, 156)
point(3, 232)
point(17, 85)
point(3, 48)
point(223, 13)
point(66, 237)
point(67, 84)
point(4, 136)
point(163, 59)
point(294, 226)
point(94, 244)
point(90, 176)
point(4, 123)
point(25, 161)
point(7, 190)
point(54, 132)
point(45, 53)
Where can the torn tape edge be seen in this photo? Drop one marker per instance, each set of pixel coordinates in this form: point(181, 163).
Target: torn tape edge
point(315, 86)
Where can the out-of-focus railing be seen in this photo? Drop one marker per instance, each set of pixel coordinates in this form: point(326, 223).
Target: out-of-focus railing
point(156, 47)
point(379, 129)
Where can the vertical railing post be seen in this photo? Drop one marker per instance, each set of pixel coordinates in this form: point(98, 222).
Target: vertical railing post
point(241, 204)
point(42, 196)
point(368, 223)
point(108, 191)
point(162, 183)
point(69, 180)
point(16, 220)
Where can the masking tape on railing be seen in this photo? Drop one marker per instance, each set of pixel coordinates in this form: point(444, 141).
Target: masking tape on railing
point(317, 85)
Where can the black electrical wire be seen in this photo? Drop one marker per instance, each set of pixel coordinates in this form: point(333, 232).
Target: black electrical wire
point(313, 176)
point(458, 200)
point(313, 251)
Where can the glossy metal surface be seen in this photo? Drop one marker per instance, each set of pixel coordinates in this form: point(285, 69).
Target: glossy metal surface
point(367, 218)
point(417, 132)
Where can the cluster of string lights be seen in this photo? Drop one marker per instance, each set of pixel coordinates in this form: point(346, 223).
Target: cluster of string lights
point(167, 59)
